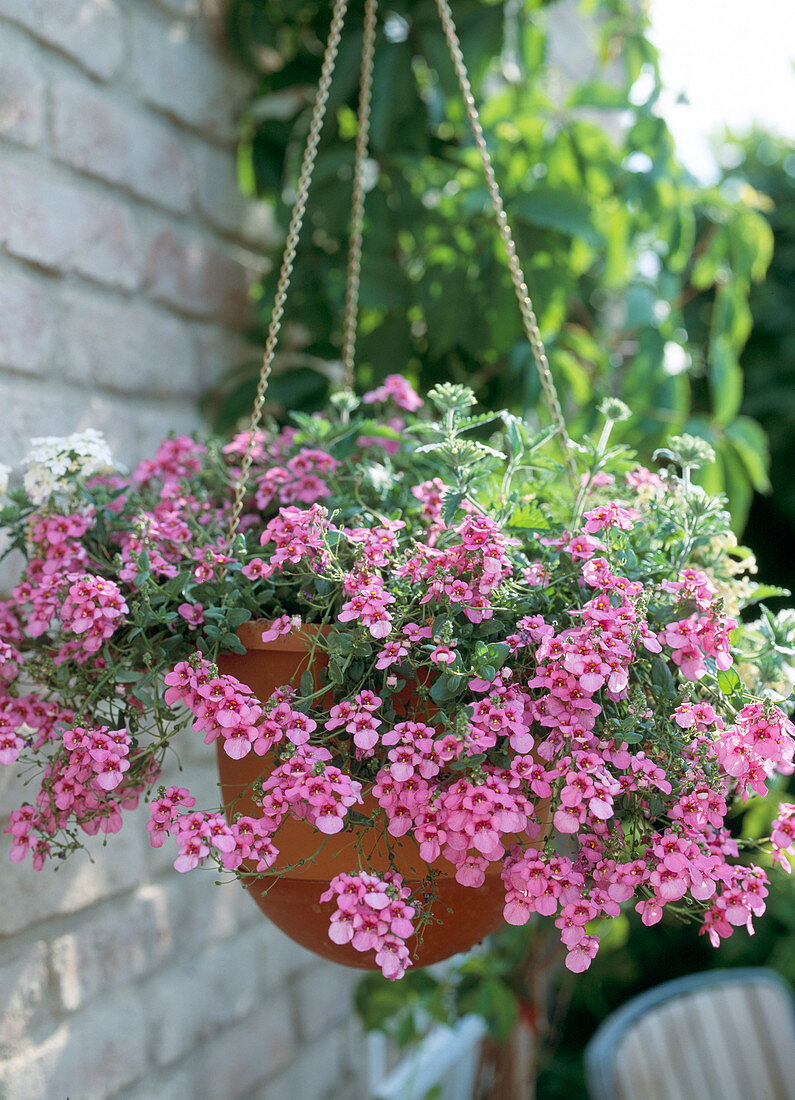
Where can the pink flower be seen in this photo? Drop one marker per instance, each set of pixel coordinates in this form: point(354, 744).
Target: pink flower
point(610, 515)
point(443, 655)
point(285, 624)
point(396, 387)
point(580, 956)
point(193, 613)
point(372, 914)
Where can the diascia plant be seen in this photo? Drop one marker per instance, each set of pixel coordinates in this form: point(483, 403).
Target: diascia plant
point(586, 665)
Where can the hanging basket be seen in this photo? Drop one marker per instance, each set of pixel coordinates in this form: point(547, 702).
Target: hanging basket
point(460, 916)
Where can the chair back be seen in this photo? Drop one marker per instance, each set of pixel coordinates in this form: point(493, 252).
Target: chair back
point(718, 1035)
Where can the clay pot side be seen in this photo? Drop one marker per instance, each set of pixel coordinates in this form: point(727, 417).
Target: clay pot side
point(461, 916)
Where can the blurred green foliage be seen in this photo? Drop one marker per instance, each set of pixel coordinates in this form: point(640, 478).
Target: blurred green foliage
point(640, 277)
point(767, 164)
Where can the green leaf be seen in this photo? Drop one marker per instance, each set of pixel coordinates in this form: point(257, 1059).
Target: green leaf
point(725, 380)
point(450, 505)
point(495, 1002)
point(766, 592)
point(750, 442)
point(446, 687)
point(232, 643)
point(566, 212)
point(597, 93)
point(498, 653)
point(729, 682)
point(236, 616)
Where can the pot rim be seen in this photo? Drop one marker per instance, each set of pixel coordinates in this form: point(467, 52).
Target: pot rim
point(297, 641)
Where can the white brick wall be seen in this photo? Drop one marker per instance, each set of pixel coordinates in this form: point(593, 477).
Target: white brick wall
point(125, 257)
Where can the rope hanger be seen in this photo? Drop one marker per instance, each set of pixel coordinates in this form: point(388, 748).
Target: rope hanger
point(351, 310)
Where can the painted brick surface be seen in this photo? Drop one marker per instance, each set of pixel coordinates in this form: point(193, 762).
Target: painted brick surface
point(92, 32)
point(27, 329)
point(22, 88)
point(176, 73)
point(190, 275)
point(125, 258)
point(123, 145)
point(109, 343)
point(68, 229)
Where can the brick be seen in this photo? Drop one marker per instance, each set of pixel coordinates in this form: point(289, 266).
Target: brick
point(68, 228)
point(206, 914)
point(89, 31)
point(123, 145)
point(156, 421)
point(90, 1057)
point(190, 1003)
point(219, 199)
point(24, 986)
point(69, 887)
point(179, 72)
point(234, 1063)
point(283, 958)
point(318, 1073)
point(219, 350)
point(126, 347)
point(27, 328)
point(183, 271)
point(174, 1086)
point(113, 947)
point(51, 408)
point(185, 8)
point(21, 95)
point(323, 996)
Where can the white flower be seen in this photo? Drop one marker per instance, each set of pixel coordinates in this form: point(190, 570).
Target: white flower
point(40, 484)
point(54, 463)
point(4, 472)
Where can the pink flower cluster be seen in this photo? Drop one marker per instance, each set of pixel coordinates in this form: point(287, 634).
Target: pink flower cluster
point(760, 741)
point(465, 573)
point(399, 390)
point(298, 535)
point(222, 706)
point(300, 479)
point(359, 720)
point(28, 720)
point(175, 461)
point(372, 914)
point(93, 608)
point(782, 834)
point(79, 781)
point(57, 541)
point(377, 543)
point(200, 834)
point(368, 603)
point(309, 787)
point(610, 515)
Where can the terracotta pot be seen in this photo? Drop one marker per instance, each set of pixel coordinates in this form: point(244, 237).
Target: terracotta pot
point(461, 915)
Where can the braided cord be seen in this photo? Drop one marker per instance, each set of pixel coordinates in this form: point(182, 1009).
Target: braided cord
point(517, 275)
point(357, 209)
point(288, 259)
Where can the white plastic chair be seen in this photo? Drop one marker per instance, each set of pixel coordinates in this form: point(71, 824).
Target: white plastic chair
point(718, 1035)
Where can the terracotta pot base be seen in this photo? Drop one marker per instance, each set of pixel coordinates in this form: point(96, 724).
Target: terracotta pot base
point(461, 917)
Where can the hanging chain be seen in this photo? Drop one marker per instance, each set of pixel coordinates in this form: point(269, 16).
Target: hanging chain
point(517, 275)
point(357, 209)
point(296, 221)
